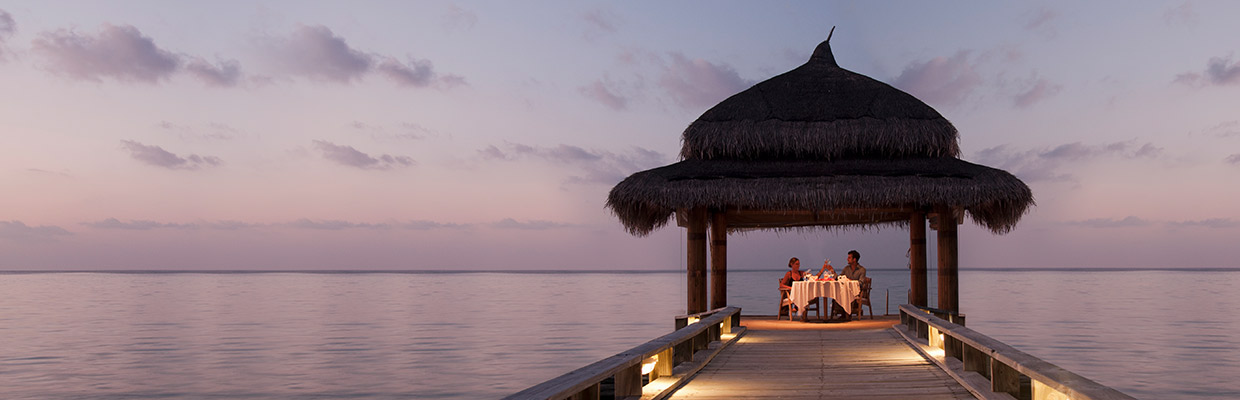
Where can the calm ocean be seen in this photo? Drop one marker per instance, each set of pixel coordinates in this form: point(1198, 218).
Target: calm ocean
point(469, 335)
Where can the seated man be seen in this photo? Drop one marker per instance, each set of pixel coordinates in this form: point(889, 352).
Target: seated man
point(853, 271)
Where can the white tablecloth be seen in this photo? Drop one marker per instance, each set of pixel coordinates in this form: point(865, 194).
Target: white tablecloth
point(842, 291)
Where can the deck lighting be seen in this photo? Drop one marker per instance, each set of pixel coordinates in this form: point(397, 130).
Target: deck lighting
point(648, 364)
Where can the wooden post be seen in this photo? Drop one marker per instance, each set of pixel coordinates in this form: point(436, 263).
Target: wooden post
point(696, 252)
point(949, 283)
point(919, 295)
point(629, 381)
point(718, 260)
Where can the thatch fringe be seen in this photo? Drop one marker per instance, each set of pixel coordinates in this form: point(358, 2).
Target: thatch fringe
point(991, 197)
point(820, 140)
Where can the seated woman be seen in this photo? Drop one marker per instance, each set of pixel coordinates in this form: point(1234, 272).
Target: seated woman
point(794, 273)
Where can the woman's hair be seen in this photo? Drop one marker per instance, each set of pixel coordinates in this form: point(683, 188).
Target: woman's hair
point(792, 260)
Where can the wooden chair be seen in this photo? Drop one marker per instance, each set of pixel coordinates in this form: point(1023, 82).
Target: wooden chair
point(785, 303)
point(863, 298)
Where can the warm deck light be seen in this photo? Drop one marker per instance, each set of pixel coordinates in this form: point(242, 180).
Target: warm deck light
point(694, 320)
point(648, 365)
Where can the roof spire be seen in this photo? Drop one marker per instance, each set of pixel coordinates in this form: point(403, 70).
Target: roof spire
point(823, 52)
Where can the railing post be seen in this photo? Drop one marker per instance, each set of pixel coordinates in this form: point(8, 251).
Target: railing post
point(976, 361)
point(664, 366)
point(629, 381)
point(590, 393)
point(1005, 379)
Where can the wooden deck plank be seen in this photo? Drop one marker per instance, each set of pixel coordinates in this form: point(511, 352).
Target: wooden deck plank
point(821, 364)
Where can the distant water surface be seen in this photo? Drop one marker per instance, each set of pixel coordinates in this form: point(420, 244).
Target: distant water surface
point(467, 335)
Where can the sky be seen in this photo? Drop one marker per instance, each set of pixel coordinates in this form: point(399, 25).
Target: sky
point(441, 135)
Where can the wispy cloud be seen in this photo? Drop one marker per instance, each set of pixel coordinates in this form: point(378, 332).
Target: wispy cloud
point(121, 53)
point(19, 231)
point(425, 225)
point(1219, 71)
point(1107, 223)
point(316, 52)
point(697, 83)
point(1216, 223)
point(8, 28)
point(225, 73)
point(1045, 164)
point(942, 80)
point(600, 167)
point(1039, 89)
point(601, 91)
point(332, 225)
point(600, 22)
point(417, 73)
point(533, 225)
point(1041, 19)
point(347, 155)
point(1181, 15)
point(1233, 159)
point(157, 156)
point(137, 225)
point(458, 18)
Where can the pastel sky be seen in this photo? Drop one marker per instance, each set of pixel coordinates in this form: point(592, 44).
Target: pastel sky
point(486, 135)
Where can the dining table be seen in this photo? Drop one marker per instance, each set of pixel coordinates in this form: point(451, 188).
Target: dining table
point(843, 291)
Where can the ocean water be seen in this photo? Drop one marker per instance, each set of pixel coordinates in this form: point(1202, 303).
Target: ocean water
point(469, 335)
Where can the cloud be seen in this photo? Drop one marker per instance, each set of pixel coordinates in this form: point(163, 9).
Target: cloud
point(226, 74)
point(121, 53)
point(157, 156)
point(697, 83)
point(458, 18)
point(347, 155)
point(1045, 164)
point(8, 27)
point(1216, 223)
point(941, 80)
point(418, 73)
point(1219, 72)
point(1107, 223)
point(137, 225)
point(1182, 15)
point(1233, 159)
point(1039, 90)
point(599, 167)
point(600, 22)
point(332, 225)
point(19, 231)
point(424, 225)
point(537, 225)
point(316, 52)
point(1041, 19)
point(602, 92)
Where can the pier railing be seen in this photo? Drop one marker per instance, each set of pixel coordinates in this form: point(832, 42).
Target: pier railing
point(649, 371)
point(989, 368)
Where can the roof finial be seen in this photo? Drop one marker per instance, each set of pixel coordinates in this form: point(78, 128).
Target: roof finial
point(823, 52)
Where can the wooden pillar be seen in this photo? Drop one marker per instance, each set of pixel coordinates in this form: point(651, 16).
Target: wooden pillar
point(696, 252)
point(918, 290)
point(718, 260)
point(949, 283)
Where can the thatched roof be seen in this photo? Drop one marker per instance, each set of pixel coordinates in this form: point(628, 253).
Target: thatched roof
point(820, 111)
point(820, 146)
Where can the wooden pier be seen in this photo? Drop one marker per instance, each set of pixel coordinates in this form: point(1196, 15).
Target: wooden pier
point(793, 360)
point(716, 355)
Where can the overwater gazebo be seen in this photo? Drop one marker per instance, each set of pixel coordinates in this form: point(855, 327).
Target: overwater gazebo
point(820, 147)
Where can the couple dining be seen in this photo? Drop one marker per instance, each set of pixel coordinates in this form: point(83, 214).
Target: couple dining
point(854, 271)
